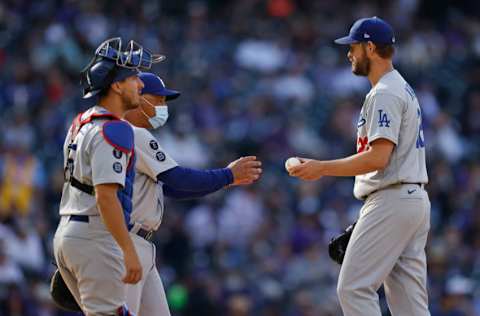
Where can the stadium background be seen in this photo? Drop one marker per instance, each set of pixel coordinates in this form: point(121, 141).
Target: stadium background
point(258, 77)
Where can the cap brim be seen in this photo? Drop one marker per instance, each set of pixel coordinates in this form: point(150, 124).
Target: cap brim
point(167, 93)
point(171, 94)
point(346, 40)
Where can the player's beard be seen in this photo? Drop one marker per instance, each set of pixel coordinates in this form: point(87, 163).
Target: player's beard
point(362, 65)
point(131, 102)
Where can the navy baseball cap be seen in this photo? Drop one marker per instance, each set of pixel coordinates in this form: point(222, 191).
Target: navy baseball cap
point(153, 84)
point(371, 29)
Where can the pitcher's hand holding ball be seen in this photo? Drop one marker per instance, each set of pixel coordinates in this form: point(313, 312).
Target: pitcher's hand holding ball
point(307, 169)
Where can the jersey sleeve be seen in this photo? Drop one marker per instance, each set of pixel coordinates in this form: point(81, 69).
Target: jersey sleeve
point(109, 165)
point(151, 157)
point(384, 117)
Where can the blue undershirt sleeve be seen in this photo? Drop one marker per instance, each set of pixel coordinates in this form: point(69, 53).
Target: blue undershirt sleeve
point(183, 195)
point(193, 180)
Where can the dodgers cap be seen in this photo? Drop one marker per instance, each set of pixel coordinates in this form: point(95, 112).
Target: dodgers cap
point(153, 84)
point(371, 29)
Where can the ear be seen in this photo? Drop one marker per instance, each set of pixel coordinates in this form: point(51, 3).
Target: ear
point(370, 48)
point(116, 87)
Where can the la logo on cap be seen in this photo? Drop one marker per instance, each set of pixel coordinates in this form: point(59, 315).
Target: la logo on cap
point(365, 35)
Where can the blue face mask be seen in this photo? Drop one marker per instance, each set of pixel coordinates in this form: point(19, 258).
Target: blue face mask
point(161, 115)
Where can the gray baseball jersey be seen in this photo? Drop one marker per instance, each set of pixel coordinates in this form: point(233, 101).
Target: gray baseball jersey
point(391, 111)
point(148, 200)
point(147, 297)
point(95, 162)
point(388, 243)
point(87, 256)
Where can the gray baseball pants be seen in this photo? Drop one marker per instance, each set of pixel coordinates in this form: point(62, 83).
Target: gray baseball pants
point(388, 246)
point(147, 297)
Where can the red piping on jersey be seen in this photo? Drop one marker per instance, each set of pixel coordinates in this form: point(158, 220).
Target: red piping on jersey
point(78, 123)
point(75, 126)
point(130, 161)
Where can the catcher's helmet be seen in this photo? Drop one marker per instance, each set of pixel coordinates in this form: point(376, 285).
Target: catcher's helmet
point(111, 64)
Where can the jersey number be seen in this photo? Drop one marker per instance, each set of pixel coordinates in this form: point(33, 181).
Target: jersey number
point(420, 138)
point(362, 144)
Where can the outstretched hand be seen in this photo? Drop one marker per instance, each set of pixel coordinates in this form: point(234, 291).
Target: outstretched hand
point(309, 169)
point(246, 170)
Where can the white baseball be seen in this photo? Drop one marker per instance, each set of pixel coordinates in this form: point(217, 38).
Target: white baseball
point(292, 162)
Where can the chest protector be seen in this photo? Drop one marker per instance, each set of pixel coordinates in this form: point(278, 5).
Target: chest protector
point(117, 133)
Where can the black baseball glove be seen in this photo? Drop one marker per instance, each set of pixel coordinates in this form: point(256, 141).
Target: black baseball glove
point(61, 295)
point(338, 245)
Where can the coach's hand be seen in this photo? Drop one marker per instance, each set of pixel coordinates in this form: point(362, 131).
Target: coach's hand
point(246, 170)
point(309, 169)
point(133, 267)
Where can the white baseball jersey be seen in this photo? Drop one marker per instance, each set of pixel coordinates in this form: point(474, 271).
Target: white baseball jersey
point(95, 162)
point(391, 111)
point(148, 200)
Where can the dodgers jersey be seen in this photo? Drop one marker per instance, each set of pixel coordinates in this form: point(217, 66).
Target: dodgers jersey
point(95, 162)
point(391, 111)
point(148, 199)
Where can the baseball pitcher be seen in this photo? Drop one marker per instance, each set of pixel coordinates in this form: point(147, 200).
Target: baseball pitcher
point(387, 244)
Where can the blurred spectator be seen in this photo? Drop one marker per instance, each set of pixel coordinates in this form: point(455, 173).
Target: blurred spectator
point(258, 78)
point(239, 305)
point(23, 178)
point(10, 272)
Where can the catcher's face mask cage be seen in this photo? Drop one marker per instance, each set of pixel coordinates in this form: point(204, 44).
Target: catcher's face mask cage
point(129, 61)
point(134, 56)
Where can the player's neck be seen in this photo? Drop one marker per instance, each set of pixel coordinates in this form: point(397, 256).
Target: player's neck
point(113, 104)
point(378, 70)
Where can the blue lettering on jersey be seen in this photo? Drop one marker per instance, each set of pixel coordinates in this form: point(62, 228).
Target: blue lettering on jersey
point(410, 91)
point(383, 119)
point(420, 137)
point(361, 122)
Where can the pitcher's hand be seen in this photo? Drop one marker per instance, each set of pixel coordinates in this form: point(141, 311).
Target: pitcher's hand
point(309, 169)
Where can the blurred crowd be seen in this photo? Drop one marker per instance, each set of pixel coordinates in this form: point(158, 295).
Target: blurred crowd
point(259, 77)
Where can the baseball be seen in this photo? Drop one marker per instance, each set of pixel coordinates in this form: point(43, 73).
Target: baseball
point(292, 162)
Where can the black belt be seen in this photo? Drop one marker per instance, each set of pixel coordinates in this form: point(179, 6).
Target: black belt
point(79, 218)
point(145, 234)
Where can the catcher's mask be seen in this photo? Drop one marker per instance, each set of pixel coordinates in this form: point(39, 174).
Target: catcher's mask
point(112, 63)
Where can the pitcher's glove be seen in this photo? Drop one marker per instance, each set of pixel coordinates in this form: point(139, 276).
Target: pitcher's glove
point(338, 245)
point(61, 295)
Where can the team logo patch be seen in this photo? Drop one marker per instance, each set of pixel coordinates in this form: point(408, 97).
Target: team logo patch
point(160, 156)
point(153, 144)
point(117, 153)
point(383, 120)
point(117, 167)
